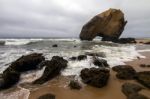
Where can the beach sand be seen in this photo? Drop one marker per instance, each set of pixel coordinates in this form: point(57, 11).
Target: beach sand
point(112, 90)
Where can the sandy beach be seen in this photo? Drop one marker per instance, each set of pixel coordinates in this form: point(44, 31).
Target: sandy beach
point(59, 86)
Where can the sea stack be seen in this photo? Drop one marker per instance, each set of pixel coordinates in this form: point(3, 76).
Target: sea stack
point(109, 25)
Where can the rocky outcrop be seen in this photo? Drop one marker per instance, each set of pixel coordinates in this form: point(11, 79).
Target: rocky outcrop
point(131, 91)
point(144, 78)
point(74, 85)
point(25, 63)
point(53, 69)
point(125, 72)
point(100, 62)
point(47, 96)
point(130, 88)
point(109, 25)
point(96, 77)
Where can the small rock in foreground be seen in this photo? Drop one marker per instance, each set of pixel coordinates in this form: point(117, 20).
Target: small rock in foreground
point(74, 85)
point(47, 96)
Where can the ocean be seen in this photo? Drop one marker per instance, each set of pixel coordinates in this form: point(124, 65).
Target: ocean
point(115, 54)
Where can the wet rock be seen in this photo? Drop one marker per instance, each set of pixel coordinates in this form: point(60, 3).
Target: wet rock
point(137, 96)
point(100, 62)
point(11, 75)
point(26, 63)
point(144, 78)
point(74, 85)
point(9, 78)
point(109, 25)
point(79, 58)
point(144, 65)
point(55, 45)
point(82, 57)
point(2, 43)
point(53, 69)
point(125, 40)
point(42, 64)
point(125, 72)
point(99, 54)
point(47, 96)
point(73, 58)
point(130, 88)
point(95, 76)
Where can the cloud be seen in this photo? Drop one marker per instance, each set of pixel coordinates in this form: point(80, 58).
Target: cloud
point(65, 18)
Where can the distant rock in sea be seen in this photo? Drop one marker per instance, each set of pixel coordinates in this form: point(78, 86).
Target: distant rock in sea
point(109, 25)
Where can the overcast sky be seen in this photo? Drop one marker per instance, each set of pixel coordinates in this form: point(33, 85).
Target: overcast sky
point(65, 18)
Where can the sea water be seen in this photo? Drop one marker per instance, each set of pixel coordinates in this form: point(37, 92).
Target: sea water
point(115, 54)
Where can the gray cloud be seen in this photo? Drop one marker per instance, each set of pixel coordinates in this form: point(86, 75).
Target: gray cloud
point(65, 18)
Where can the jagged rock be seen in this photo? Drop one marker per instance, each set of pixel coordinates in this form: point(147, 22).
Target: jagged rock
point(47, 96)
point(55, 45)
point(12, 74)
point(53, 69)
point(96, 77)
point(144, 78)
point(100, 62)
point(28, 62)
point(109, 25)
point(130, 88)
point(74, 85)
point(125, 72)
point(9, 78)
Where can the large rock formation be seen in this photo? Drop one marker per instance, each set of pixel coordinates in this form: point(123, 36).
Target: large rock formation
point(109, 25)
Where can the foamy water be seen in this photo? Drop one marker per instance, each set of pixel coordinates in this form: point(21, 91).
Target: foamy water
point(116, 54)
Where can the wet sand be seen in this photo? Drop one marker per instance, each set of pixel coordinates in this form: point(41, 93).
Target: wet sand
point(58, 86)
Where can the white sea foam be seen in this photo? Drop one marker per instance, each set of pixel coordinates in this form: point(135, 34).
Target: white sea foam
point(19, 41)
point(30, 76)
point(22, 93)
point(114, 56)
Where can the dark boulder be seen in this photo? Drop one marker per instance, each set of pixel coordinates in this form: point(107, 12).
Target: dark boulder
point(9, 78)
point(125, 72)
point(53, 69)
point(130, 88)
point(26, 63)
point(144, 78)
point(79, 58)
point(100, 62)
point(47, 96)
point(55, 45)
point(109, 25)
point(11, 75)
point(125, 40)
point(74, 85)
point(137, 96)
point(82, 57)
point(95, 76)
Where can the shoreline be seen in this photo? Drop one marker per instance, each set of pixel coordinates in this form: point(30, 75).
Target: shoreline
point(112, 90)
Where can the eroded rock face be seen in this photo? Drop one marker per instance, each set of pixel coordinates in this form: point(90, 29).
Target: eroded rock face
point(109, 25)
point(125, 72)
point(96, 77)
point(25, 63)
point(144, 78)
point(53, 69)
point(130, 88)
